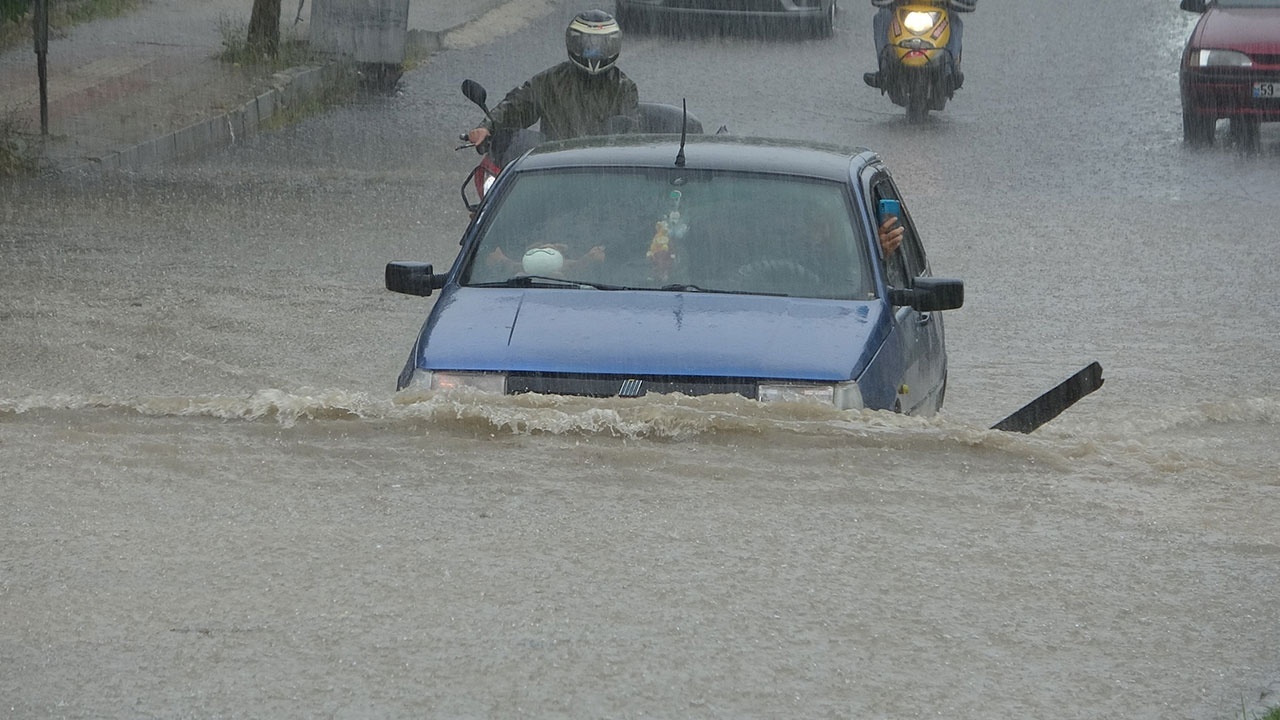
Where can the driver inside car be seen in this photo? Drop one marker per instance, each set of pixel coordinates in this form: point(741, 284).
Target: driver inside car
point(824, 246)
point(546, 259)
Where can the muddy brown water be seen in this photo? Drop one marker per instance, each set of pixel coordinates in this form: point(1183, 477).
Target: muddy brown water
point(212, 504)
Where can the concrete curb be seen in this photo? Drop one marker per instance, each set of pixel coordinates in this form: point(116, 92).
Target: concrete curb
point(426, 41)
point(292, 87)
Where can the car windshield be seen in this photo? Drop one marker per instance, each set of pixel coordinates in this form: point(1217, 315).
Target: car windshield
point(671, 229)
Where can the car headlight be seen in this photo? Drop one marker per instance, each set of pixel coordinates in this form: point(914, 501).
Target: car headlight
point(450, 380)
point(844, 395)
point(1219, 58)
point(918, 22)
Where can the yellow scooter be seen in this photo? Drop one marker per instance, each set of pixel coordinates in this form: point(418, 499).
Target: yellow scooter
point(917, 71)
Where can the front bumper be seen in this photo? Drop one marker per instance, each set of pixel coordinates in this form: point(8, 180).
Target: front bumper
point(1220, 94)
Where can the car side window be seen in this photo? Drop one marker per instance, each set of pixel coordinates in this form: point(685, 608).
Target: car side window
point(908, 261)
point(895, 267)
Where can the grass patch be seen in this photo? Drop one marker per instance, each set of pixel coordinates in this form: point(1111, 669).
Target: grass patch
point(293, 51)
point(63, 15)
point(19, 148)
point(18, 154)
point(1268, 714)
point(341, 79)
point(341, 83)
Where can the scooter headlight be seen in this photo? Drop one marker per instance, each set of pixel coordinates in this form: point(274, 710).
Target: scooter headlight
point(489, 180)
point(920, 22)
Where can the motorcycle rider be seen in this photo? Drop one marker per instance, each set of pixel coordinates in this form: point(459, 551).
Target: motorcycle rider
point(576, 97)
point(880, 27)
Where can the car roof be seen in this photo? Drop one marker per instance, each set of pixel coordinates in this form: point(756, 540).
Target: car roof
point(703, 152)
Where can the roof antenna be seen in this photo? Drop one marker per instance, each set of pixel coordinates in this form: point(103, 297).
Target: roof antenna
point(684, 124)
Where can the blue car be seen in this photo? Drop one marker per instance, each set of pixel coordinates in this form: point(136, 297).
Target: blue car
point(631, 265)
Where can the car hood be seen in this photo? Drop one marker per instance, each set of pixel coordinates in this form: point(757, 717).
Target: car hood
point(652, 333)
point(1246, 30)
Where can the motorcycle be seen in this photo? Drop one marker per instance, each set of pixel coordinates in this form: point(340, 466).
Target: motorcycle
point(505, 145)
point(917, 70)
point(502, 146)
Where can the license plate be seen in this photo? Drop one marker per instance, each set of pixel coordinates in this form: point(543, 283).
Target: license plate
point(1266, 90)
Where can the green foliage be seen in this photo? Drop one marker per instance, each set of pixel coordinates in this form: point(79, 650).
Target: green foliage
point(339, 87)
point(1272, 714)
point(13, 10)
point(17, 154)
point(292, 51)
point(1269, 714)
point(15, 24)
point(15, 17)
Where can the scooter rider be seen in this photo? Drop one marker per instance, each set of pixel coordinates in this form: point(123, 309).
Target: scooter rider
point(880, 26)
point(576, 97)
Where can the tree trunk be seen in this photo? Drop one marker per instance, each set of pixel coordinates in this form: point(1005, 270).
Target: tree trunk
point(264, 28)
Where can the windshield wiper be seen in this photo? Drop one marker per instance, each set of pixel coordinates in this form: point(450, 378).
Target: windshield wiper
point(546, 281)
point(684, 287)
point(529, 281)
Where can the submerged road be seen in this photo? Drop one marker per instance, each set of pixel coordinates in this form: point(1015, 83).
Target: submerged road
point(214, 505)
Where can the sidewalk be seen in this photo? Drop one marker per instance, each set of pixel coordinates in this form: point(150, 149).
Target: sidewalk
point(147, 87)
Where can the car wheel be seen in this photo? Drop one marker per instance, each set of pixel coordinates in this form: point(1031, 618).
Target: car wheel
point(1197, 129)
point(918, 103)
point(825, 26)
point(1246, 134)
point(938, 94)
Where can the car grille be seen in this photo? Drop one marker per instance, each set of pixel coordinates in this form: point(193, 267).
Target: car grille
point(1228, 90)
point(626, 385)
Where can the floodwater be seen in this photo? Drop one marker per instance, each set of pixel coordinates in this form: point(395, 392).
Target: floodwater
point(212, 503)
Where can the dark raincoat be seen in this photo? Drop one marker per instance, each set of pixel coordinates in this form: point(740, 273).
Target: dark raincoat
point(569, 102)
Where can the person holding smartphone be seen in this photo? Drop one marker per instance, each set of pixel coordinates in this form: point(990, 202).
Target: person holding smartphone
point(890, 237)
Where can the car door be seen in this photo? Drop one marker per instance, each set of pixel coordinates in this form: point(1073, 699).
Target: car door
point(920, 334)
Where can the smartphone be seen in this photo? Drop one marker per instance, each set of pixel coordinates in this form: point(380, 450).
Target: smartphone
point(890, 207)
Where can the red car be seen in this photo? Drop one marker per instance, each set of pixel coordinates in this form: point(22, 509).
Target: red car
point(1231, 69)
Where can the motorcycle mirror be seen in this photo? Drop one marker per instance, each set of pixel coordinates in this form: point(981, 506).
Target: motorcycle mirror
point(476, 93)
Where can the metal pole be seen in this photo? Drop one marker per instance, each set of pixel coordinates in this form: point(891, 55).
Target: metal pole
point(40, 30)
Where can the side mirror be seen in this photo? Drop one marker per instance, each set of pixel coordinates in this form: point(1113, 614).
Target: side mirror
point(412, 278)
point(929, 294)
point(1196, 6)
point(476, 93)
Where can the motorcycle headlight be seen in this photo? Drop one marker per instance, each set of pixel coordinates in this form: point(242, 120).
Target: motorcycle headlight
point(449, 380)
point(919, 22)
point(489, 180)
point(1219, 58)
point(844, 396)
